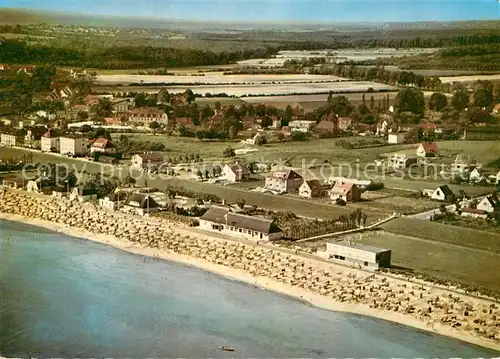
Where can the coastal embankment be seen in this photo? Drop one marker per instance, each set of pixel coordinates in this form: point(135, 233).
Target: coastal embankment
point(321, 284)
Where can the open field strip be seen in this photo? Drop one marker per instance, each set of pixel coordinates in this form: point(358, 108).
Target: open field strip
point(469, 78)
point(283, 89)
point(215, 78)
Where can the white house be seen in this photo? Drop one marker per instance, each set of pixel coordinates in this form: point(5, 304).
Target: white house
point(239, 226)
point(474, 213)
point(50, 142)
point(401, 161)
point(144, 160)
point(442, 193)
point(82, 194)
point(498, 178)
point(476, 175)
point(301, 126)
point(148, 115)
point(488, 203)
point(311, 189)
point(113, 201)
point(395, 138)
point(7, 139)
point(427, 149)
point(73, 146)
point(235, 172)
point(346, 191)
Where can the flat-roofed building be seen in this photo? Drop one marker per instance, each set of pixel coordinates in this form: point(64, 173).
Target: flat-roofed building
point(359, 255)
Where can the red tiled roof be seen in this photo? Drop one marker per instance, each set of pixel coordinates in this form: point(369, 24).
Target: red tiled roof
point(474, 211)
point(427, 126)
point(49, 134)
point(102, 143)
point(146, 112)
point(112, 121)
point(343, 188)
point(429, 147)
point(497, 107)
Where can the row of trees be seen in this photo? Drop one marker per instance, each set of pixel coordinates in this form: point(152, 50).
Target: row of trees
point(15, 51)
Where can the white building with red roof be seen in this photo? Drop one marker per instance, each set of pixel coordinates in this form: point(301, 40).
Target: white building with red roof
point(102, 145)
point(148, 115)
point(427, 149)
point(346, 191)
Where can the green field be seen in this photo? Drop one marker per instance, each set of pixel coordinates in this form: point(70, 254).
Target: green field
point(474, 268)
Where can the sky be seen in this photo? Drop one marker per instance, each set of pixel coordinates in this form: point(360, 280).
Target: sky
point(278, 10)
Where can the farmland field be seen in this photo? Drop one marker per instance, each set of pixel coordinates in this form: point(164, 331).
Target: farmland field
point(438, 259)
point(284, 89)
point(215, 79)
point(338, 56)
point(469, 78)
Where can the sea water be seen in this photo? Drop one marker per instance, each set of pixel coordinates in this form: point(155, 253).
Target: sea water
point(67, 297)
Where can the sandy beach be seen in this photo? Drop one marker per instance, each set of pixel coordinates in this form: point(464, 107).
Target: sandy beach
point(323, 285)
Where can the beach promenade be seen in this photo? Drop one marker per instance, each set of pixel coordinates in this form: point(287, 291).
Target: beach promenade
point(317, 282)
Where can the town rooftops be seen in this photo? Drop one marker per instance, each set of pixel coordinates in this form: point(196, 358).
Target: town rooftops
point(326, 125)
point(361, 247)
point(142, 200)
point(223, 215)
point(102, 143)
point(147, 112)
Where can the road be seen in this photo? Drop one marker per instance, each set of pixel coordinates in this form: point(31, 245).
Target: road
point(301, 207)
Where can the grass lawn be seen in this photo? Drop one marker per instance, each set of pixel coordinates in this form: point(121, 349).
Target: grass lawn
point(439, 260)
point(444, 233)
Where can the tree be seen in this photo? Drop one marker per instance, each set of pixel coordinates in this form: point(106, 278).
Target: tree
point(189, 95)
point(298, 136)
point(266, 122)
point(241, 203)
point(442, 208)
point(410, 100)
point(199, 174)
point(260, 140)
point(483, 97)
point(82, 115)
point(129, 180)
point(341, 106)
point(140, 100)
point(372, 103)
point(438, 102)
point(103, 108)
point(155, 126)
point(229, 152)
point(460, 100)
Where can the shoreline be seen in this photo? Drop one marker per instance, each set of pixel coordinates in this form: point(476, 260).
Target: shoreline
point(261, 282)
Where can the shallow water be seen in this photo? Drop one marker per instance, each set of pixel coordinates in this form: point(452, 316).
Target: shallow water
point(66, 297)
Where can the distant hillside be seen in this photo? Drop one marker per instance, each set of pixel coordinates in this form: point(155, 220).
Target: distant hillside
point(13, 16)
